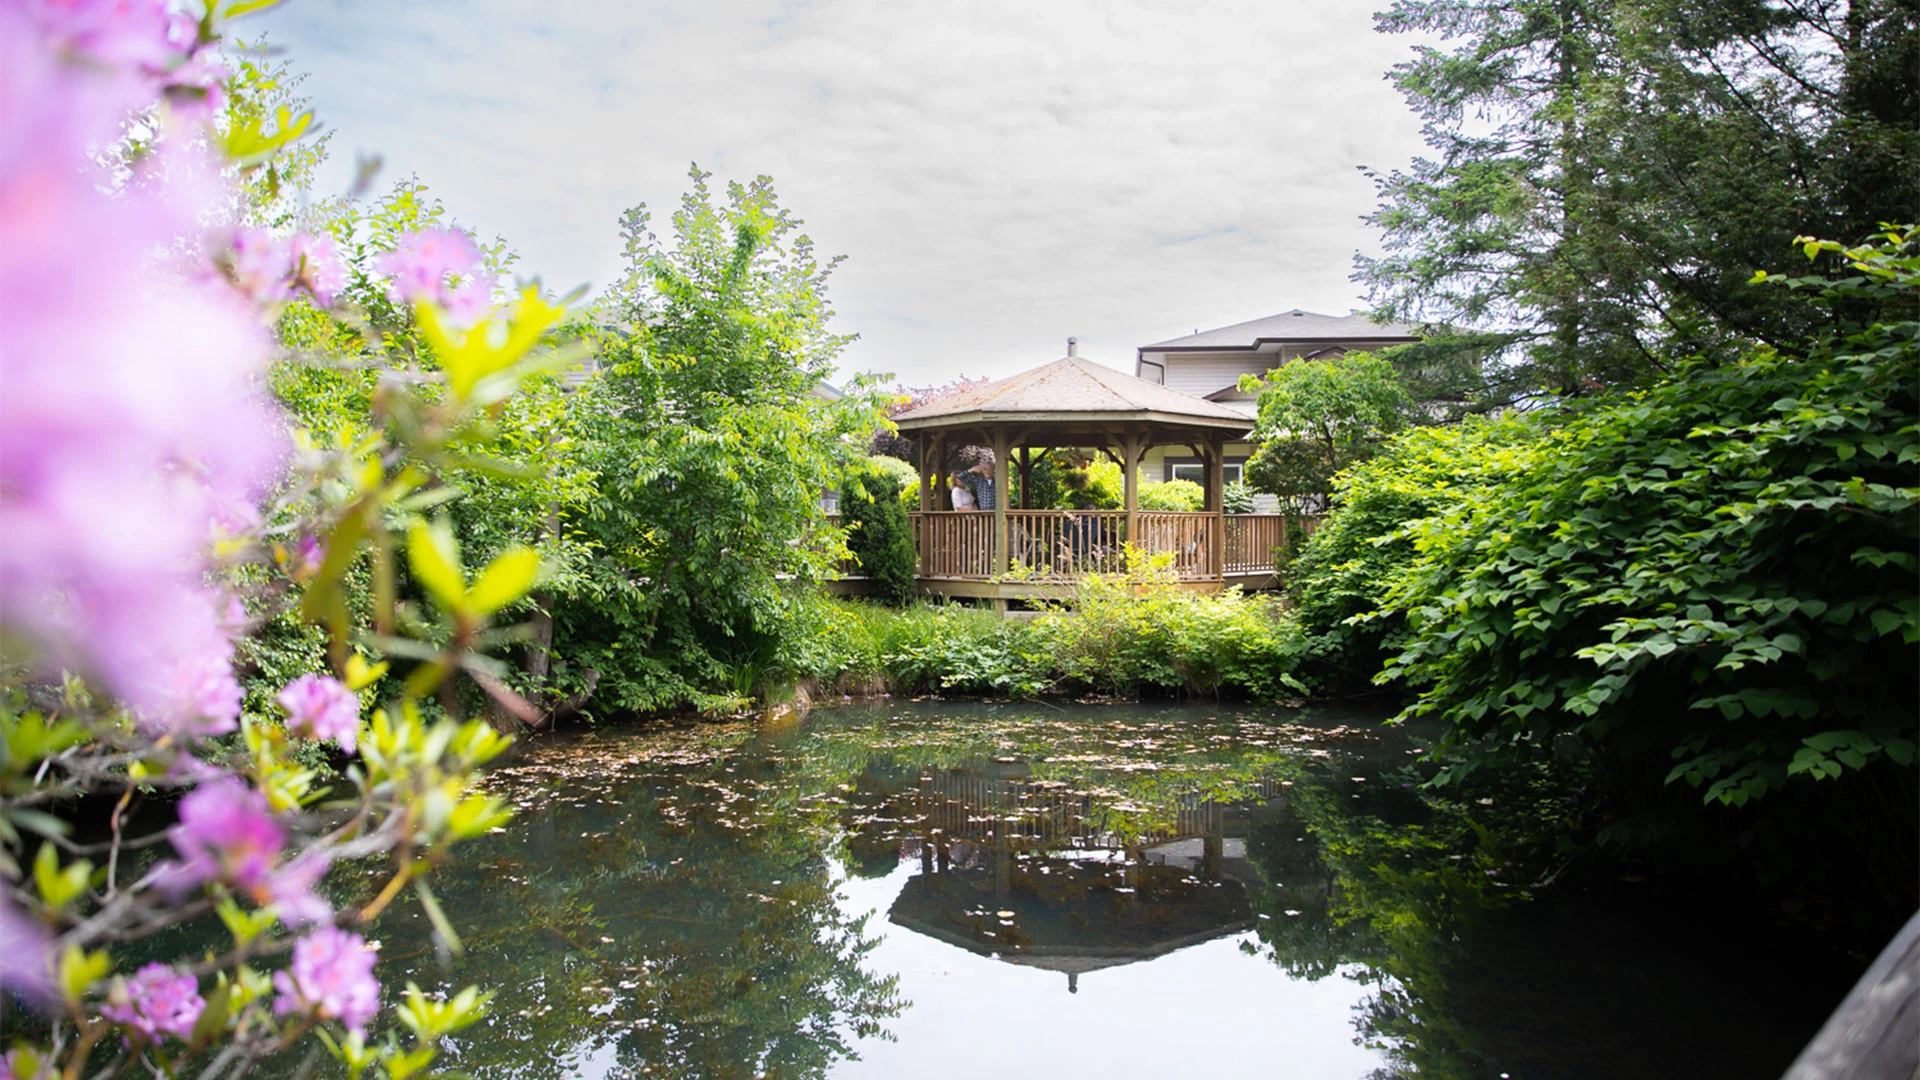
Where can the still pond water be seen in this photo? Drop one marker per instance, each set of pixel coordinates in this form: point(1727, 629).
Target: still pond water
point(998, 891)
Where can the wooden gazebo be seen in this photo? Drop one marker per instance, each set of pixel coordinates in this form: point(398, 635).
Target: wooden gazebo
point(1020, 551)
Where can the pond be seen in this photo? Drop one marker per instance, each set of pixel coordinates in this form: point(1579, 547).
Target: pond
point(967, 890)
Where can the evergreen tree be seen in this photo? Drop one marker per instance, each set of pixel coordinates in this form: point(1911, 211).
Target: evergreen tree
point(1607, 176)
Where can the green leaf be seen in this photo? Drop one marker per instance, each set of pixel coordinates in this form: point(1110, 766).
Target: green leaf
point(506, 579)
point(79, 970)
point(435, 559)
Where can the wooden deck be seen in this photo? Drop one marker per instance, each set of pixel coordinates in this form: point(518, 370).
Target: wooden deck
point(1045, 551)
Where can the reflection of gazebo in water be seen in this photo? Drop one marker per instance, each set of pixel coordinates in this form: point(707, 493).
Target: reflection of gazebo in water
point(1016, 869)
point(1072, 403)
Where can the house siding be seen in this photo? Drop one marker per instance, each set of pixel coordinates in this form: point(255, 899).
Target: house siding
point(1204, 373)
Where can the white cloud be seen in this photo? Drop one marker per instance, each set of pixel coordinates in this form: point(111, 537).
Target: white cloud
point(1000, 174)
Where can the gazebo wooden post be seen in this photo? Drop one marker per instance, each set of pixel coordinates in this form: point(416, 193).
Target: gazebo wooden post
point(1001, 493)
point(1026, 477)
point(941, 500)
point(923, 448)
point(1130, 463)
point(1215, 504)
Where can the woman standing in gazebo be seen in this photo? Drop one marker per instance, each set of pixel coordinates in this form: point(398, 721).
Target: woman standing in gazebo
point(961, 494)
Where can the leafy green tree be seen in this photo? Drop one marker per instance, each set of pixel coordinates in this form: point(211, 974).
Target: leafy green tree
point(1606, 176)
point(878, 533)
point(1318, 417)
point(710, 453)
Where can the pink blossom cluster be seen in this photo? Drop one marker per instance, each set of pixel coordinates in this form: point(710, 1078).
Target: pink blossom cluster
point(133, 422)
point(331, 978)
point(227, 833)
point(149, 49)
point(321, 707)
point(24, 944)
point(442, 267)
point(157, 1001)
point(270, 270)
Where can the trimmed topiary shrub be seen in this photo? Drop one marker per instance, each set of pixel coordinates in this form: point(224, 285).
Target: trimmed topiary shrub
point(878, 532)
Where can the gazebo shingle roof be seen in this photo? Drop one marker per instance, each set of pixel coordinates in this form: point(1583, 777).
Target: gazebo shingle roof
point(1073, 387)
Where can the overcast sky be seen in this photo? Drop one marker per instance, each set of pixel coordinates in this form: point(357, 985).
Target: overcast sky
point(999, 175)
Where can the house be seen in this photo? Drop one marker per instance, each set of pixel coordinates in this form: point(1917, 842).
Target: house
point(1209, 365)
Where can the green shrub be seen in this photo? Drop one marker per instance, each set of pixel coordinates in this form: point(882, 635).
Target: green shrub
point(1349, 564)
point(1142, 633)
point(877, 530)
point(1123, 635)
point(1097, 485)
point(1237, 498)
point(1718, 572)
point(1174, 495)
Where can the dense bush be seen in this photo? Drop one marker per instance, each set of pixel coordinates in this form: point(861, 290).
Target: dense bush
point(1237, 498)
point(1713, 580)
point(877, 530)
point(1174, 495)
point(709, 453)
point(1348, 565)
point(1722, 567)
point(1138, 634)
point(1142, 633)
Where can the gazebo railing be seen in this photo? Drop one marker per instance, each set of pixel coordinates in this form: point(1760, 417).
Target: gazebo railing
point(955, 544)
point(1060, 545)
point(1057, 546)
point(1191, 538)
point(1252, 538)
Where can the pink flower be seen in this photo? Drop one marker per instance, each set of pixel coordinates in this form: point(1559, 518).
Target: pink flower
point(226, 833)
point(268, 270)
point(424, 261)
point(132, 409)
point(156, 1001)
point(291, 888)
point(261, 266)
point(332, 977)
point(197, 90)
point(321, 707)
point(112, 33)
point(25, 952)
point(318, 267)
point(208, 701)
point(308, 556)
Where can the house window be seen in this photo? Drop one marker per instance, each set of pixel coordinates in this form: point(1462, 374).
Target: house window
point(1192, 469)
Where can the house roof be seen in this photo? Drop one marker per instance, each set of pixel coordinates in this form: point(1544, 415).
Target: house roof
point(1071, 388)
point(1295, 325)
